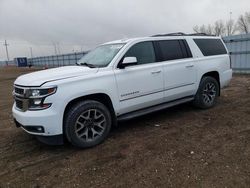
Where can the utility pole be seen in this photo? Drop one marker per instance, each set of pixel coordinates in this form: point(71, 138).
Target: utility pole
point(7, 53)
point(31, 52)
point(54, 44)
point(58, 48)
point(31, 57)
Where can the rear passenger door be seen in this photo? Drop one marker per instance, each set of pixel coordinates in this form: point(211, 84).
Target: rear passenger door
point(179, 69)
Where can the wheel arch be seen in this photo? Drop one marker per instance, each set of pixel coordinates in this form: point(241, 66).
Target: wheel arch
point(100, 97)
point(213, 74)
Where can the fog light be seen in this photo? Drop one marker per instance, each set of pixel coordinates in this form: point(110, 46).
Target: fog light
point(34, 129)
point(37, 101)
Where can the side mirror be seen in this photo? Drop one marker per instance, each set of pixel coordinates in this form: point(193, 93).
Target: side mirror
point(128, 61)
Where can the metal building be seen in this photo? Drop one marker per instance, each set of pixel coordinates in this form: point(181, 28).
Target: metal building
point(239, 48)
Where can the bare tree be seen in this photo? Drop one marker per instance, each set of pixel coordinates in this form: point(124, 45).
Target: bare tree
point(219, 28)
point(201, 29)
point(247, 15)
point(204, 29)
point(210, 30)
point(244, 23)
point(231, 27)
point(196, 29)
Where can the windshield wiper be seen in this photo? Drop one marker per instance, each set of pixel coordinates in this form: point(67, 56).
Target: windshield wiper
point(87, 64)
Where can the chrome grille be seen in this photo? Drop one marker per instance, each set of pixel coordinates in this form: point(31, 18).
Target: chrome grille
point(19, 103)
point(19, 91)
point(20, 100)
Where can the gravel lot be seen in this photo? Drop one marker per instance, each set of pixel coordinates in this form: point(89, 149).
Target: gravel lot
point(178, 147)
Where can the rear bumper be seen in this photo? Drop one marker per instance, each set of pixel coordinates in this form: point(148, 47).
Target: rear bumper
point(225, 78)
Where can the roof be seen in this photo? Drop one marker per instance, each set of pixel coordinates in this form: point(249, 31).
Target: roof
point(164, 36)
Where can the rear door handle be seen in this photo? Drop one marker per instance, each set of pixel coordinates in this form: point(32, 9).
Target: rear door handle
point(156, 72)
point(189, 66)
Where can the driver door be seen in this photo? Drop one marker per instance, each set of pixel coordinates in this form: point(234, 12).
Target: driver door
point(141, 85)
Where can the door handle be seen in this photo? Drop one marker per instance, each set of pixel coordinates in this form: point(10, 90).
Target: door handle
point(189, 66)
point(156, 72)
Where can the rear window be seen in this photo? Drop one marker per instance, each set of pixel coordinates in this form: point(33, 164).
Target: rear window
point(211, 47)
point(174, 49)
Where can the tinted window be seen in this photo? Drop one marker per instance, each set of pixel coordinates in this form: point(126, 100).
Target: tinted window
point(174, 49)
point(185, 49)
point(144, 52)
point(210, 46)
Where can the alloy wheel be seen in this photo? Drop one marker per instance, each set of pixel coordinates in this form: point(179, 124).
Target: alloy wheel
point(90, 125)
point(209, 93)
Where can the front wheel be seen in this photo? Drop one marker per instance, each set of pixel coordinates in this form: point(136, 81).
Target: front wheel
point(207, 93)
point(87, 123)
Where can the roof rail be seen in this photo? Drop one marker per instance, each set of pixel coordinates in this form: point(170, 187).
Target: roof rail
point(200, 34)
point(169, 34)
point(181, 34)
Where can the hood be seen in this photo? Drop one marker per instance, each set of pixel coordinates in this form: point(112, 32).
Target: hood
point(40, 77)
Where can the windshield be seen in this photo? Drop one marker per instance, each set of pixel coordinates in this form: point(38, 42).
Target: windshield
point(100, 56)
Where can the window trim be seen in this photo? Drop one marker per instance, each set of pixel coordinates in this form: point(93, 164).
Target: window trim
point(158, 53)
point(204, 53)
point(152, 42)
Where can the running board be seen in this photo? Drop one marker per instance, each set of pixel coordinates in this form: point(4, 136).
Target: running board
point(149, 110)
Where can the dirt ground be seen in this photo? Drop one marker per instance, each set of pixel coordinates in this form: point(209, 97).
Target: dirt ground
point(178, 147)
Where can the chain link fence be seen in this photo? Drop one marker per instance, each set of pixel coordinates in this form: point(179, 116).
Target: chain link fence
point(56, 60)
point(50, 61)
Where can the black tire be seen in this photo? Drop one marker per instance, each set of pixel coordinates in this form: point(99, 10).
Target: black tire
point(207, 94)
point(81, 123)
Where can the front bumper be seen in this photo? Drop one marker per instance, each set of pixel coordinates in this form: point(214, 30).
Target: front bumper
point(42, 122)
point(49, 140)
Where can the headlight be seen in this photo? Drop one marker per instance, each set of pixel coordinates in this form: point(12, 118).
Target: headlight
point(35, 93)
point(37, 96)
point(38, 93)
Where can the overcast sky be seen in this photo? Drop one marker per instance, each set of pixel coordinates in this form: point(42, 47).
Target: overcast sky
point(74, 25)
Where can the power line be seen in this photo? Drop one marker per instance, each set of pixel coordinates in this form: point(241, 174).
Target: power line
point(7, 53)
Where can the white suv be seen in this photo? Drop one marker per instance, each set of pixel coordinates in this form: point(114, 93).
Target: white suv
point(120, 80)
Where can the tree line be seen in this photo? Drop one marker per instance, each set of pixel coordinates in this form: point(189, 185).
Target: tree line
point(226, 28)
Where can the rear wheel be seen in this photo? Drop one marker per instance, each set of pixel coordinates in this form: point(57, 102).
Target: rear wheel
point(207, 93)
point(87, 123)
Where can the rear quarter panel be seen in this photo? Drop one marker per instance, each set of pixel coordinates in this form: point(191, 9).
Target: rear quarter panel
point(205, 64)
